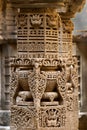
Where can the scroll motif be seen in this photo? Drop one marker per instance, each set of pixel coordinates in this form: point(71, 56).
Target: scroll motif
point(23, 117)
point(70, 103)
point(37, 83)
point(61, 81)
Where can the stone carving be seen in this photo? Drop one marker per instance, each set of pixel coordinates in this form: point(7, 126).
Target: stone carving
point(61, 81)
point(68, 25)
point(36, 20)
point(23, 118)
point(75, 7)
point(24, 96)
point(70, 103)
point(52, 20)
point(19, 86)
point(37, 83)
point(51, 117)
point(44, 80)
point(22, 20)
point(72, 72)
point(13, 89)
point(37, 30)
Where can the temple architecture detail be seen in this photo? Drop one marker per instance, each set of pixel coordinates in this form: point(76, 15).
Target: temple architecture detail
point(44, 74)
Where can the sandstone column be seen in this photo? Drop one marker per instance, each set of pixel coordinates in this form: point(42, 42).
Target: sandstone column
point(44, 74)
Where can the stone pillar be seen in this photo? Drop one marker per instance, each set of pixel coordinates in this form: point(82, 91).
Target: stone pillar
point(2, 21)
point(81, 51)
point(81, 42)
point(0, 78)
point(44, 74)
point(11, 31)
point(84, 89)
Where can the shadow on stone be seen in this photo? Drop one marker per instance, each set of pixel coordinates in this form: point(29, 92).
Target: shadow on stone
point(83, 122)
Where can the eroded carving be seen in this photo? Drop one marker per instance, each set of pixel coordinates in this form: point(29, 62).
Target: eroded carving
point(22, 20)
point(52, 20)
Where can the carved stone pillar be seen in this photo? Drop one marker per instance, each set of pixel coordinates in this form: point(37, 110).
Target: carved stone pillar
point(44, 75)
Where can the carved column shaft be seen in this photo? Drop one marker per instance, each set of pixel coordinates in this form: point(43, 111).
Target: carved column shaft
point(44, 80)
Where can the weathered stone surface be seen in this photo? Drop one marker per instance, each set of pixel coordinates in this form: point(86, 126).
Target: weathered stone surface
point(44, 75)
point(4, 118)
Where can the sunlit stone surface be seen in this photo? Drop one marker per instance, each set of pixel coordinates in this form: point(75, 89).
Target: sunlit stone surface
point(44, 74)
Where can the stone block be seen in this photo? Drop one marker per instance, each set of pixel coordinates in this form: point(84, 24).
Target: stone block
point(4, 118)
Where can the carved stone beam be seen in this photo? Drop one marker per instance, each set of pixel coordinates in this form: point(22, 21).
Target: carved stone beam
point(58, 4)
point(69, 7)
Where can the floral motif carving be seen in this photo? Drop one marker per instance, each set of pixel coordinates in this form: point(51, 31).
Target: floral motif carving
point(61, 81)
point(37, 83)
point(23, 117)
point(70, 103)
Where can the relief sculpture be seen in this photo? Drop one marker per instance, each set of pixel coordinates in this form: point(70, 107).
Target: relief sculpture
point(44, 78)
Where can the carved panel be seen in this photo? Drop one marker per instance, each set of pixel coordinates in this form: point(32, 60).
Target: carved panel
point(38, 32)
point(52, 117)
point(37, 83)
point(22, 117)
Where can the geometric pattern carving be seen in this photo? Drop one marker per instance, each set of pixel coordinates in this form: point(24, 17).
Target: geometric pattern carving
point(44, 80)
point(37, 32)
